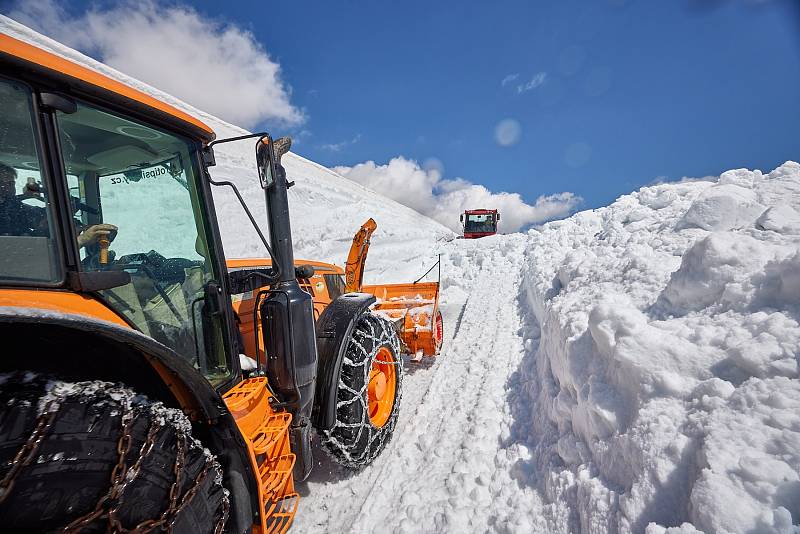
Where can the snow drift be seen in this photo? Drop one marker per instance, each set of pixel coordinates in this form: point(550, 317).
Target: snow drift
point(665, 387)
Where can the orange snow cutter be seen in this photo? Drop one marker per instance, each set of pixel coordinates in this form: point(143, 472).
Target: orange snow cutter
point(414, 309)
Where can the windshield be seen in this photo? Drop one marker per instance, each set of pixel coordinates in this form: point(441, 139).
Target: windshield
point(136, 209)
point(26, 224)
point(479, 223)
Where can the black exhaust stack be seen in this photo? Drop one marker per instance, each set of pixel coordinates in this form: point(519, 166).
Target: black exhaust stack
point(287, 313)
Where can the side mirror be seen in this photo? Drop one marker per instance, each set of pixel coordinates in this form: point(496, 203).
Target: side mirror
point(498, 216)
point(461, 217)
point(268, 158)
point(265, 160)
point(304, 271)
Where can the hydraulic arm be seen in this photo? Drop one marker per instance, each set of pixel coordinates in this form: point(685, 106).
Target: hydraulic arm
point(354, 268)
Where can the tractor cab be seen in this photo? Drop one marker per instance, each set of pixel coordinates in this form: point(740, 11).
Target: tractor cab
point(479, 223)
point(128, 223)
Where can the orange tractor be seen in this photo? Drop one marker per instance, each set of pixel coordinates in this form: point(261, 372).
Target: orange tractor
point(124, 402)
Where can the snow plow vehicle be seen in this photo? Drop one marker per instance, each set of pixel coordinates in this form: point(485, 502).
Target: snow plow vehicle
point(479, 223)
point(124, 404)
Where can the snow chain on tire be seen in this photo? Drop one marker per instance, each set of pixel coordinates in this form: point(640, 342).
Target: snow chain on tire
point(106, 459)
point(353, 440)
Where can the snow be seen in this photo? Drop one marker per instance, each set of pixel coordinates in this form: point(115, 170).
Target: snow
point(447, 469)
point(667, 376)
point(633, 368)
point(726, 206)
point(246, 363)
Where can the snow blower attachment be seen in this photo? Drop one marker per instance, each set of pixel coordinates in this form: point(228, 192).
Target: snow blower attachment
point(413, 308)
point(139, 334)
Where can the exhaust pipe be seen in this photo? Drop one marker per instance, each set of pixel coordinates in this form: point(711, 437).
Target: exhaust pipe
point(287, 315)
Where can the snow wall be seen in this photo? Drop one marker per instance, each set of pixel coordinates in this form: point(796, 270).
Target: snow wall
point(661, 388)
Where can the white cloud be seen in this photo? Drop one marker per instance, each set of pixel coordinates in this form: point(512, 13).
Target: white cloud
point(215, 66)
point(538, 79)
point(444, 199)
point(337, 147)
point(508, 79)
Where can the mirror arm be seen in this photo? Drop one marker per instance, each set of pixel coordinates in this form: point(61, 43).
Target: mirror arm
point(208, 150)
point(249, 215)
point(239, 138)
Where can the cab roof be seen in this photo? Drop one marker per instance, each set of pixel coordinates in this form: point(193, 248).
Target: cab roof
point(66, 76)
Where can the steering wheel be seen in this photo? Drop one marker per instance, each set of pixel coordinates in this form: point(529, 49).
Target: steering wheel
point(162, 271)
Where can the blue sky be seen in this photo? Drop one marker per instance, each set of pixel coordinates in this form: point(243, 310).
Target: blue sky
point(607, 95)
point(647, 89)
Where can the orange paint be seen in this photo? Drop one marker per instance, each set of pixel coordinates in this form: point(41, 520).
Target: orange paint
point(414, 308)
point(382, 388)
point(240, 263)
point(33, 54)
point(357, 257)
point(61, 302)
point(266, 435)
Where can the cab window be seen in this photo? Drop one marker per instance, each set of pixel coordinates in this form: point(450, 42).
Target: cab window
point(480, 223)
point(137, 209)
point(26, 216)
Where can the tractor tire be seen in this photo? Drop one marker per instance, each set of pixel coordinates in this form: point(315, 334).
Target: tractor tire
point(96, 457)
point(366, 404)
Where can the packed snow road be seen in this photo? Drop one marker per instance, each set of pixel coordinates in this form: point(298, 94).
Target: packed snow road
point(446, 469)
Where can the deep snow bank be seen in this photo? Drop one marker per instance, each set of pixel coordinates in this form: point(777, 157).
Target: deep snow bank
point(666, 377)
point(326, 208)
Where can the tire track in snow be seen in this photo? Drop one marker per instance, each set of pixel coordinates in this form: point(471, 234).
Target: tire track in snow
point(445, 469)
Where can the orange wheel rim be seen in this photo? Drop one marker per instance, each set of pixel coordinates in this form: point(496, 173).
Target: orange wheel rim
point(382, 387)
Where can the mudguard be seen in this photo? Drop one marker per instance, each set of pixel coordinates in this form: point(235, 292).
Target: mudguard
point(334, 328)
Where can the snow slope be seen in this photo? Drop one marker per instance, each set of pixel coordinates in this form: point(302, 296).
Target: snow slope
point(326, 209)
